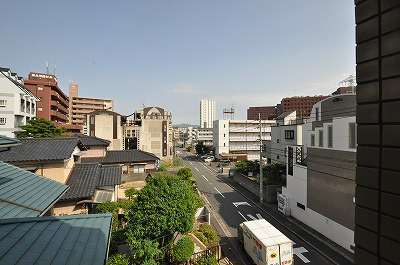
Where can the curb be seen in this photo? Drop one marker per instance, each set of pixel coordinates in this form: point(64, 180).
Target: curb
point(270, 215)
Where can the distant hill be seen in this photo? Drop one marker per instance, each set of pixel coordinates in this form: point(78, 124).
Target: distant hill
point(184, 125)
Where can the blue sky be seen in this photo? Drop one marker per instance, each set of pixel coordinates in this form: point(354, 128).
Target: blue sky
point(172, 53)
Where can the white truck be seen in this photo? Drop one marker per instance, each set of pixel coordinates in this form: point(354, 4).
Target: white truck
point(265, 244)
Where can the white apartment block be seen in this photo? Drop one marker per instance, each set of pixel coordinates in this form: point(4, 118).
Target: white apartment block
point(207, 113)
point(17, 104)
point(320, 181)
point(240, 139)
point(205, 135)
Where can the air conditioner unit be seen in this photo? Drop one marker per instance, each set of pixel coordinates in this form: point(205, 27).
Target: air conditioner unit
point(283, 204)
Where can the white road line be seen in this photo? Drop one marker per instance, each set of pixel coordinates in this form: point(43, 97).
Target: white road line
point(243, 216)
point(219, 192)
point(191, 163)
point(241, 203)
point(299, 253)
point(204, 177)
point(259, 216)
point(196, 168)
point(251, 217)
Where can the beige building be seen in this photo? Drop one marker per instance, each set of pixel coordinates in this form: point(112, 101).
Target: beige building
point(81, 106)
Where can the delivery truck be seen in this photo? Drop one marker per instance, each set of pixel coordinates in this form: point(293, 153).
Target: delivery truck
point(265, 244)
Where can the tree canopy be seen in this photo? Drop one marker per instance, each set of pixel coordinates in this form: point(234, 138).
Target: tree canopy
point(201, 148)
point(185, 173)
point(40, 128)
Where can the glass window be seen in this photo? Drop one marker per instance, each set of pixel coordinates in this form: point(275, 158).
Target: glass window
point(321, 138)
point(317, 114)
point(3, 103)
point(312, 139)
point(3, 120)
point(352, 135)
point(330, 136)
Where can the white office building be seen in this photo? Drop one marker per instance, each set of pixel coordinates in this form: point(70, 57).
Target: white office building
point(240, 139)
point(207, 113)
point(204, 135)
point(17, 104)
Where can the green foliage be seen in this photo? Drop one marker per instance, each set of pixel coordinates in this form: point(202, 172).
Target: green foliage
point(131, 192)
point(165, 205)
point(123, 181)
point(183, 249)
point(201, 148)
point(177, 162)
point(108, 207)
point(198, 201)
point(195, 185)
point(144, 251)
point(206, 260)
point(246, 166)
point(206, 234)
point(40, 128)
point(119, 235)
point(162, 168)
point(274, 172)
point(118, 259)
point(185, 173)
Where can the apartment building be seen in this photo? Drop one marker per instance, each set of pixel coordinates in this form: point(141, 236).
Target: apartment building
point(81, 106)
point(320, 181)
point(265, 113)
point(207, 113)
point(204, 135)
point(302, 105)
point(54, 104)
point(240, 139)
point(17, 103)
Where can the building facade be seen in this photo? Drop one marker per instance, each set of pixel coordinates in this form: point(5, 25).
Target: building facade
point(54, 104)
point(17, 104)
point(377, 214)
point(302, 105)
point(239, 139)
point(204, 135)
point(320, 181)
point(80, 106)
point(207, 113)
point(266, 113)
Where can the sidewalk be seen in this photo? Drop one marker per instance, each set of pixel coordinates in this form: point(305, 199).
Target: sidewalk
point(320, 243)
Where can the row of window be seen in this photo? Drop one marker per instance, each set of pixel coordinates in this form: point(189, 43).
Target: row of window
point(352, 137)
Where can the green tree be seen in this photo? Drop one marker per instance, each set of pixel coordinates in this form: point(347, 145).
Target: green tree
point(131, 192)
point(275, 170)
point(118, 259)
point(144, 251)
point(185, 173)
point(201, 148)
point(207, 235)
point(206, 260)
point(40, 128)
point(107, 207)
point(183, 249)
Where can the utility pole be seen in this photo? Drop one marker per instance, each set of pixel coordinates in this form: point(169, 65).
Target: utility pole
point(261, 165)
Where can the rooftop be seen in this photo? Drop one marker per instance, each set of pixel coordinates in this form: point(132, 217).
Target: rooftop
point(6, 142)
point(74, 239)
point(92, 140)
point(125, 156)
point(25, 194)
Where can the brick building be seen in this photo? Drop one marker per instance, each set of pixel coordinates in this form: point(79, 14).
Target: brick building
point(302, 105)
point(266, 113)
point(53, 104)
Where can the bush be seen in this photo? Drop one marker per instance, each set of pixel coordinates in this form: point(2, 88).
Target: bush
point(123, 181)
point(131, 192)
point(107, 207)
point(177, 162)
point(198, 201)
point(118, 259)
point(118, 235)
point(206, 234)
point(162, 168)
point(185, 173)
point(183, 249)
point(206, 260)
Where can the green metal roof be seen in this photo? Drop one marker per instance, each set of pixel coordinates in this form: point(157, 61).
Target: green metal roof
point(81, 239)
point(6, 142)
point(25, 194)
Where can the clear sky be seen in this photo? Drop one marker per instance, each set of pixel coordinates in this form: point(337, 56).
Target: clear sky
point(172, 53)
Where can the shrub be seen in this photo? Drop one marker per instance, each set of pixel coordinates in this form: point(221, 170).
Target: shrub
point(198, 201)
point(206, 260)
point(131, 192)
point(177, 162)
point(185, 173)
point(183, 249)
point(123, 181)
point(118, 259)
point(107, 207)
point(162, 168)
point(206, 234)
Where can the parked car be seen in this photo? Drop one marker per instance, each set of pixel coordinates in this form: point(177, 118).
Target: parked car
point(209, 159)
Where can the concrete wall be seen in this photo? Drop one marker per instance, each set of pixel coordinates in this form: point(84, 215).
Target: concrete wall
point(95, 151)
point(67, 208)
point(221, 137)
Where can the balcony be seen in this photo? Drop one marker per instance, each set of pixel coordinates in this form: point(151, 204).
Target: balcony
point(60, 117)
point(55, 95)
point(244, 148)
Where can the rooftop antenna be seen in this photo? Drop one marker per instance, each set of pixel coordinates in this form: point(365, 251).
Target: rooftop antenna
point(143, 104)
point(55, 68)
point(47, 67)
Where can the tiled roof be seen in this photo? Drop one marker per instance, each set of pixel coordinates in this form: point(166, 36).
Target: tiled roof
point(25, 194)
point(6, 142)
point(74, 239)
point(84, 179)
point(92, 140)
point(86, 160)
point(126, 156)
point(110, 175)
point(41, 149)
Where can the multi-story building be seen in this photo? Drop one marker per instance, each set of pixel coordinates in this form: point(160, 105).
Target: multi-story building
point(17, 104)
point(345, 89)
point(265, 113)
point(320, 181)
point(54, 104)
point(204, 135)
point(80, 106)
point(207, 113)
point(240, 139)
point(286, 131)
point(302, 105)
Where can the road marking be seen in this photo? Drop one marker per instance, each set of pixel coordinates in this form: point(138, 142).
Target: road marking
point(241, 203)
point(196, 168)
point(243, 216)
point(191, 163)
point(218, 218)
point(298, 252)
point(259, 216)
point(251, 217)
point(219, 192)
point(204, 177)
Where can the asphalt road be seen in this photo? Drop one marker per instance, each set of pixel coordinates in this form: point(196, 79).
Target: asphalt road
point(229, 209)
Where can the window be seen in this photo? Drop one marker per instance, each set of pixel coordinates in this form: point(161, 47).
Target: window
point(224, 144)
point(33, 108)
point(40, 88)
point(39, 109)
point(224, 125)
point(330, 136)
point(224, 134)
point(317, 114)
point(3, 120)
point(3, 103)
point(92, 133)
point(289, 134)
point(277, 140)
point(321, 138)
point(91, 120)
point(352, 135)
point(277, 157)
point(312, 139)
point(301, 206)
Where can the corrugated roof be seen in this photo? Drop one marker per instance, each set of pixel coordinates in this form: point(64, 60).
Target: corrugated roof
point(41, 149)
point(6, 142)
point(84, 179)
point(74, 239)
point(126, 156)
point(92, 140)
point(25, 194)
